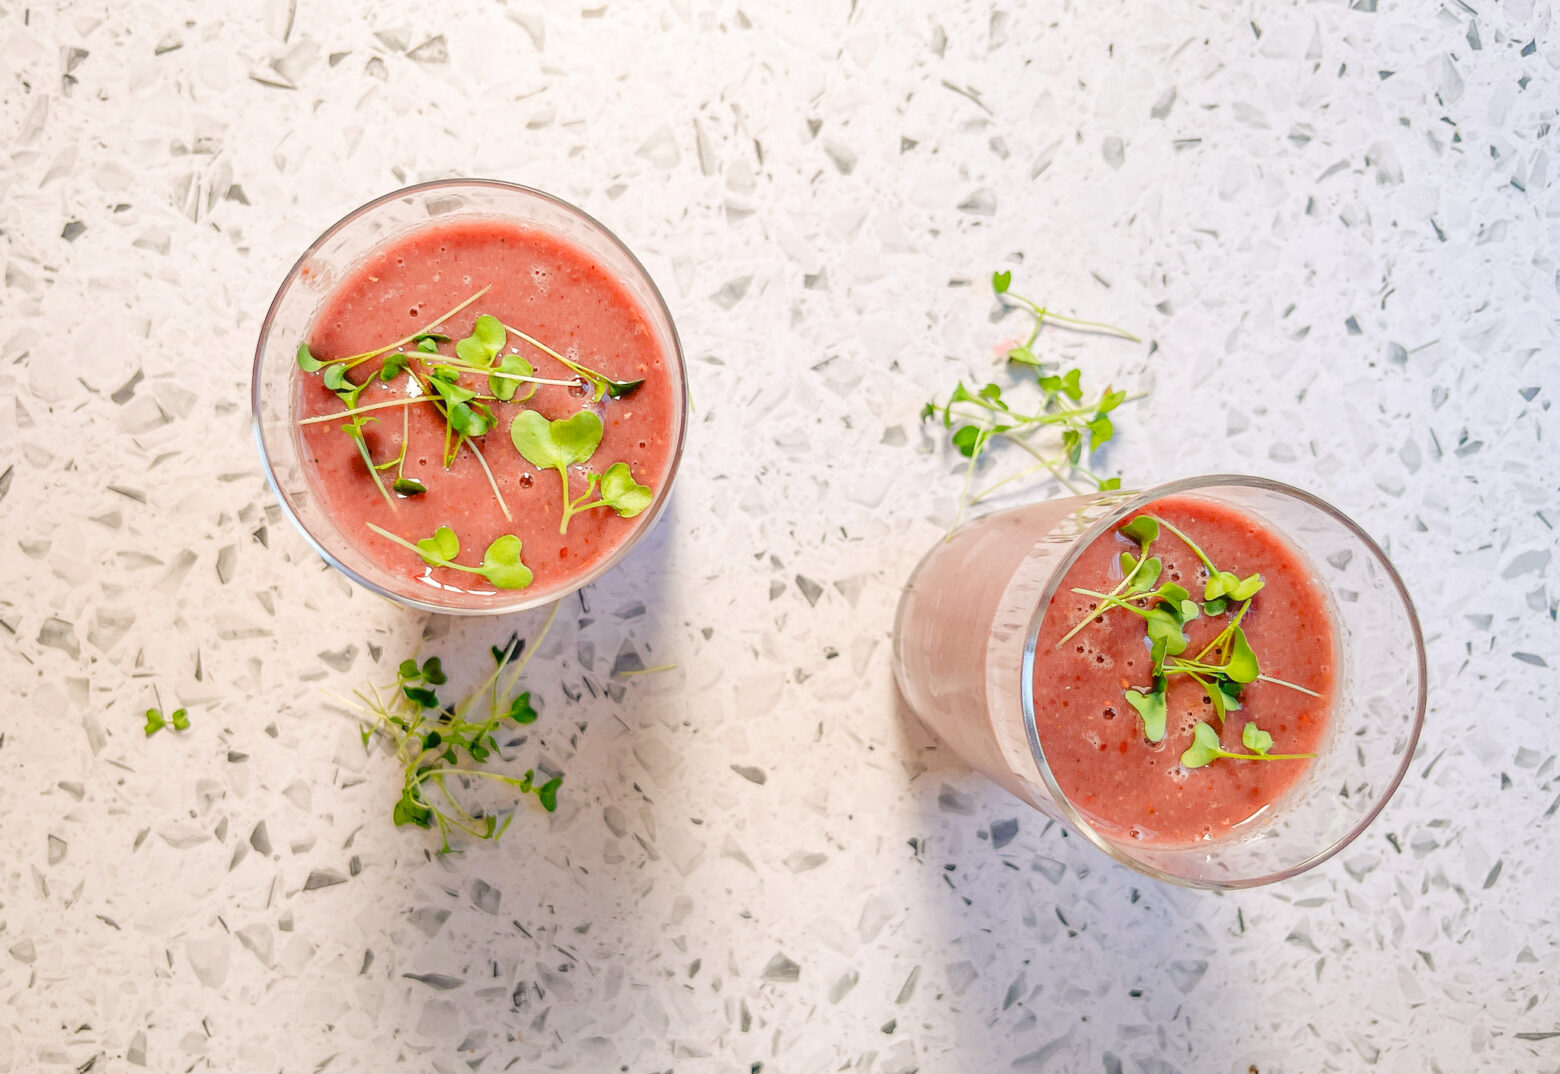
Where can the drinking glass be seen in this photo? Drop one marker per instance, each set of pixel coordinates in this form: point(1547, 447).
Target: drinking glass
point(323, 265)
point(964, 657)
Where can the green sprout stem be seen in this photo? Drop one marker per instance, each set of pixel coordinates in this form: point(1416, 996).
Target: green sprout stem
point(1075, 324)
point(1290, 685)
point(368, 460)
point(600, 381)
point(1190, 544)
point(492, 483)
point(321, 418)
point(355, 359)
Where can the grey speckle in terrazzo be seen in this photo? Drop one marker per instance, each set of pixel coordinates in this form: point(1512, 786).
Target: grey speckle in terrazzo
point(1334, 225)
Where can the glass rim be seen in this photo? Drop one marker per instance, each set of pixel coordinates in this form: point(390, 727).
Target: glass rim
point(649, 517)
point(1128, 502)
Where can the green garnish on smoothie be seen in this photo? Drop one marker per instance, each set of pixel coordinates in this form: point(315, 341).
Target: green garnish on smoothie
point(1224, 666)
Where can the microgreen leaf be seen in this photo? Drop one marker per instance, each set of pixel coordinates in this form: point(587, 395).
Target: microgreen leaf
point(433, 671)
point(421, 695)
point(430, 337)
point(521, 710)
point(154, 722)
point(556, 444)
point(180, 720)
point(1204, 749)
point(501, 564)
point(1242, 665)
point(409, 486)
point(1142, 573)
point(503, 387)
point(1023, 356)
point(486, 340)
point(439, 549)
point(1000, 281)
point(427, 346)
point(1247, 587)
point(1255, 739)
point(1144, 529)
point(968, 439)
point(1215, 607)
point(306, 362)
point(622, 493)
point(394, 365)
point(409, 809)
point(1151, 707)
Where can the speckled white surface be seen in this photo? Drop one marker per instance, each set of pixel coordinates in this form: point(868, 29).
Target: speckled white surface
point(1337, 222)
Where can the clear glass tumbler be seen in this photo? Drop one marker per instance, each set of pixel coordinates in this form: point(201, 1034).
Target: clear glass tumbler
point(335, 253)
point(964, 657)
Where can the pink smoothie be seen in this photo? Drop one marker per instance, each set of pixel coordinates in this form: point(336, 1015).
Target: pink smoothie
point(544, 286)
point(1134, 790)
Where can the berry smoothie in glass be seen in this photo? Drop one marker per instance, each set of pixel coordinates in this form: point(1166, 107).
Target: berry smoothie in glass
point(469, 396)
point(1218, 682)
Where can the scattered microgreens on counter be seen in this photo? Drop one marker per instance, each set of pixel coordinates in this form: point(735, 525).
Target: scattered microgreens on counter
point(501, 564)
point(1223, 668)
point(439, 744)
point(977, 419)
point(557, 445)
point(1206, 747)
point(178, 719)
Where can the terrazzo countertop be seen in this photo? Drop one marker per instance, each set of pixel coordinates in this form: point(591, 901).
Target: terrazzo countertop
point(1336, 227)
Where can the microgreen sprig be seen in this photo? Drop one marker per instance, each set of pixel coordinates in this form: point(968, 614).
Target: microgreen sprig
point(501, 564)
point(178, 719)
point(438, 744)
point(1222, 585)
point(1224, 666)
point(978, 419)
point(1206, 747)
point(603, 384)
point(1001, 283)
point(557, 445)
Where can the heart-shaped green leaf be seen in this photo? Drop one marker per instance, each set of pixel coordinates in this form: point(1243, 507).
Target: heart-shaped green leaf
point(1255, 739)
point(503, 387)
point(467, 421)
point(1144, 529)
point(1204, 748)
point(1023, 356)
point(486, 340)
point(622, 493)
point(1151, 707)
point(439, 549)
point(501, 564)
point(306, 361)
point(154, 721)
point(1000, 281)
point(1243, 662)
point(551, 444)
